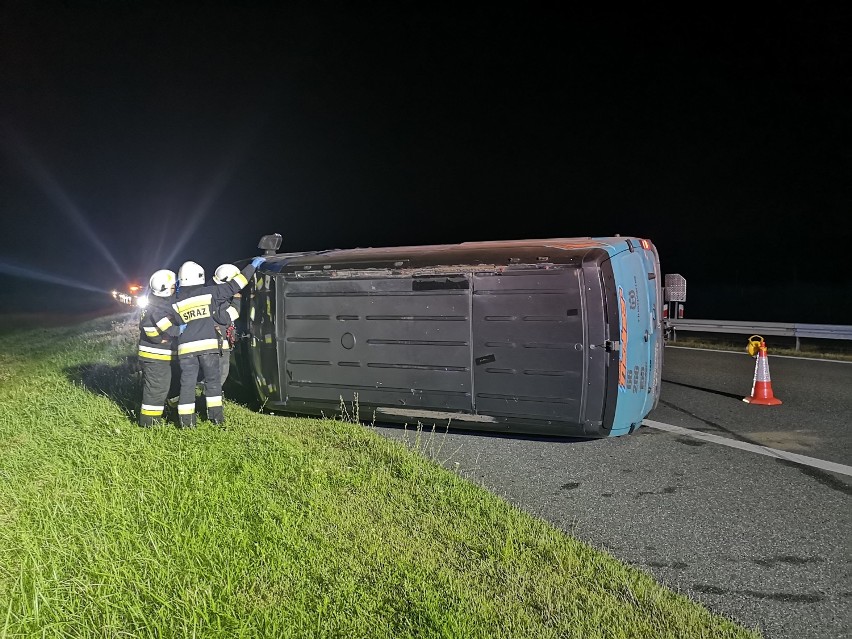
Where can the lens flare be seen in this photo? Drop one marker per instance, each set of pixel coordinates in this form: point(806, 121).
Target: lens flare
point(198, 214)
point(41, 276)
point(57, 195)
point(244, 136)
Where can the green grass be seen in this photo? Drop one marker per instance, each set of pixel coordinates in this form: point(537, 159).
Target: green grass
point(273, 527)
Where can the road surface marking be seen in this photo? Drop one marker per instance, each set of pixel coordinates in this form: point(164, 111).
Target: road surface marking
point(831, 467)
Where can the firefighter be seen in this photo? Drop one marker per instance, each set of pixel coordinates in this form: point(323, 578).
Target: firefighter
point(225, 316)
point(157, 353)
point(198, 346)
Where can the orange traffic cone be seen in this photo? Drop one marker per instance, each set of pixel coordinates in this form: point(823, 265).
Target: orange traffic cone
point(761, 388)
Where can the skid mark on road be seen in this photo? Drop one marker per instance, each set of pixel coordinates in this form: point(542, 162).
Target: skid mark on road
point(782, 455)
point(686, 441)
point(787, 559)
point(718, 427)
point(824, 478)
point(774, 596)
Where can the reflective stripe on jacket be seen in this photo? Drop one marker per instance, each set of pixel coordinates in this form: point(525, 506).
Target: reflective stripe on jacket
point(196, 307)
point(157, 330)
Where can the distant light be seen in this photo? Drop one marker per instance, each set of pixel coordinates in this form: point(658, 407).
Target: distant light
point(142, 301)
point(115, 293)
point(134, 288)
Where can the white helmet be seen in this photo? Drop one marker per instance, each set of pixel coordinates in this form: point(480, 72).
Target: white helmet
point(190, 274)
point(163, 283)
point(225, 273)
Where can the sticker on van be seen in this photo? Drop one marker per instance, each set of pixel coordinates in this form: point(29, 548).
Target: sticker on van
point(622, 363)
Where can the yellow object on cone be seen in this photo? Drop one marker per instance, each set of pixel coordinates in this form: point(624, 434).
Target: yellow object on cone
point(761, 387)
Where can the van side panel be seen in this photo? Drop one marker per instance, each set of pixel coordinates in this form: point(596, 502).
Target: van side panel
point(529, 344)
point(512, 344)
point(557, 337)
point(401, 342)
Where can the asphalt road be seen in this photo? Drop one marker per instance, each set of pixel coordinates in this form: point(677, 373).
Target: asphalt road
point(761, 540)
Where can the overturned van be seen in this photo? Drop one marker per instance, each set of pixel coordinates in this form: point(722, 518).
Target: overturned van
point(553, 336)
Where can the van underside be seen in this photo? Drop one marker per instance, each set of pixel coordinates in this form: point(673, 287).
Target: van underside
point(524, 348)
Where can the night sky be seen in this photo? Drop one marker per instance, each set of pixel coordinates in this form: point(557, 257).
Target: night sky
point(137, 135)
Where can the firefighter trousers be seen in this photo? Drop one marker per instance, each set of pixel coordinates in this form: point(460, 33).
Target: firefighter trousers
point(225, 364)
point(156, 378)
point(208, 363)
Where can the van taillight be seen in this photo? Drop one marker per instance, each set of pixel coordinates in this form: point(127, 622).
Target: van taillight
point(645, 244)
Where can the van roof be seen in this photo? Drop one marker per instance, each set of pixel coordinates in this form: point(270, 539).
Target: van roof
point(506, 252)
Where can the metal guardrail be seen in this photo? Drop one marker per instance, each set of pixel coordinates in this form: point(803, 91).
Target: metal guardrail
point(819, 331)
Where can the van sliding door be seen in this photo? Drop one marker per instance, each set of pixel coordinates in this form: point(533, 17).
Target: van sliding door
point(394, 341)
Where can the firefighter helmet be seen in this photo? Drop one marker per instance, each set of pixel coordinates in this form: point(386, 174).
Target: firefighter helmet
point(225, 273)
point(190, 274)
point(163, 283)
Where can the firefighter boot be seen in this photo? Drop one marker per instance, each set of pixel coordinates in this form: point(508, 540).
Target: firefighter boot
point(186, 416)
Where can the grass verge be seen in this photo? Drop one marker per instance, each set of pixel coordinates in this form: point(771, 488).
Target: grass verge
point(272, 527)
point(840, 350)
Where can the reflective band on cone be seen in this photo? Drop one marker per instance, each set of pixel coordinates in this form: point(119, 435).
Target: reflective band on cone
point(761, 388)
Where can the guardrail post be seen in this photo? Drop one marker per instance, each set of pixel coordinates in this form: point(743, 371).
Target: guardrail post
point(797, 342)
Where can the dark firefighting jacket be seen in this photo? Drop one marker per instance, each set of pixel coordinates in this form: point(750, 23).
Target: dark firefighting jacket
point(196, 306)
point(158, 331)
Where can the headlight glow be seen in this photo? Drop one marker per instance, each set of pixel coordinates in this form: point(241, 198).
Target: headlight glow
point(142, 301)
